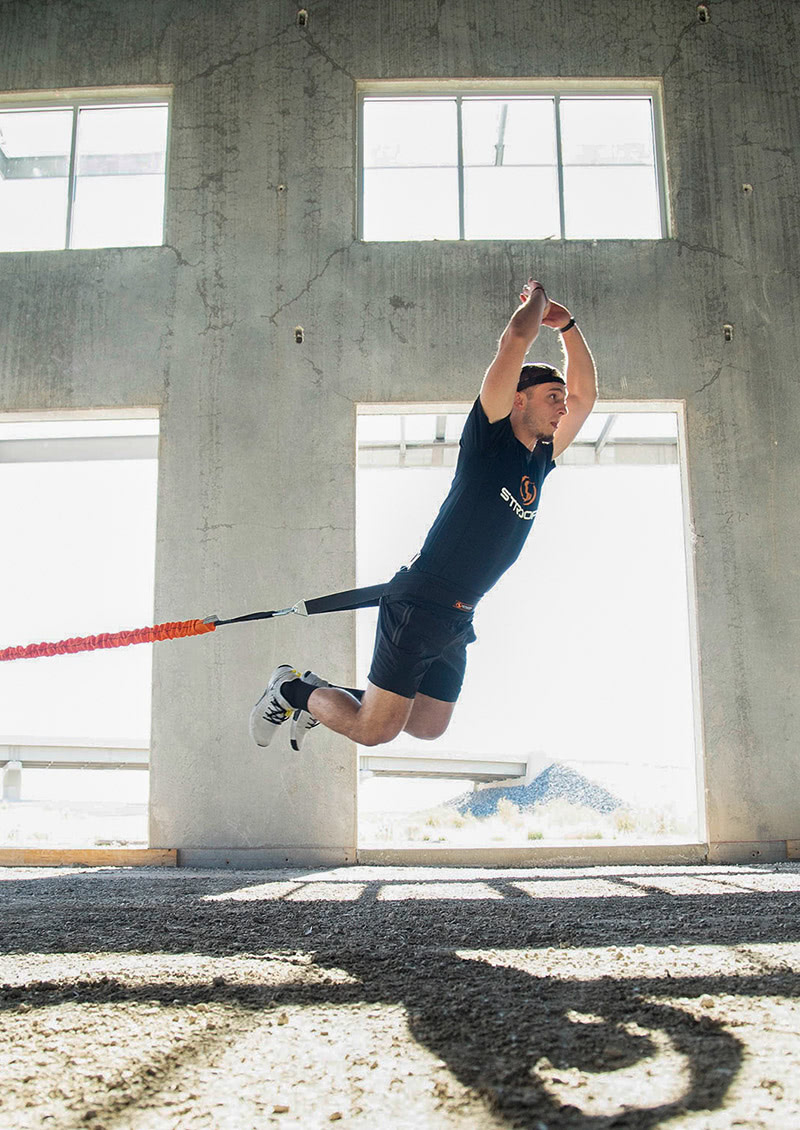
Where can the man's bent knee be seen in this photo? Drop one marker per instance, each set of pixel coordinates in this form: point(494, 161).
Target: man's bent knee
point(429, 718)
point(426, 732)
point(382, 716)
point(377, 734)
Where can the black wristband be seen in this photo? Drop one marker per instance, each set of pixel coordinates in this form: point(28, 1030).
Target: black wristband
point(568, 326)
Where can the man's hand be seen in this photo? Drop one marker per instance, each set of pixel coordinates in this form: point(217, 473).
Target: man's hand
point(529, 289)
point(556, 316)
point(530, 286)
point(527, 318)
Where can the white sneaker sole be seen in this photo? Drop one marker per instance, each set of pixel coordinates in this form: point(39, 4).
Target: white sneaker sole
point(263, 729)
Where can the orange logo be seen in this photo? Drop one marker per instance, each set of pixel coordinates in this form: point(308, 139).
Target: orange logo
point(527, 490)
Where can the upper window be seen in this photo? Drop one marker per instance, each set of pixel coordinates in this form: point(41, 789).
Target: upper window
point(82, 173)
point(539, 164)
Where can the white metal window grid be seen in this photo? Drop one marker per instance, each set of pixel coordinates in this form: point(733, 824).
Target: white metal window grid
point(117, 98)
point(649, 90)
point(612, 409)
point(605, 427)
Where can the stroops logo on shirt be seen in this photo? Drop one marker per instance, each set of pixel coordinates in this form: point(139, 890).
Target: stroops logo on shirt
point(527, 490)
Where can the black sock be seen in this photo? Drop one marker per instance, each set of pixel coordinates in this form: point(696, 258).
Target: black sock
point(297, 693)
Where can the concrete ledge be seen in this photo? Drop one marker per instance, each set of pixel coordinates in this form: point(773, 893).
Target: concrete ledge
point(749, 851)
point(549, 855)
point(546, 855)
point(257, 859)
point(88, 857)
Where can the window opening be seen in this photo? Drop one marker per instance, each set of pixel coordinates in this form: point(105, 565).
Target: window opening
point(78, 510)
point(599, 738)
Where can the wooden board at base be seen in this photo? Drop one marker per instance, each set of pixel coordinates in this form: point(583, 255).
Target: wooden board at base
point(88, 857)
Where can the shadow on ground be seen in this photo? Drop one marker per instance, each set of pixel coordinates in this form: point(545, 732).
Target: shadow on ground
point(510, 979)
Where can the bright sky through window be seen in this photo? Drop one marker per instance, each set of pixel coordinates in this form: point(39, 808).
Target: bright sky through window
point(80, 560)
point(482, 167)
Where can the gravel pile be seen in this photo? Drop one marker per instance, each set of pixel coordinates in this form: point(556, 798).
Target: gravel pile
point(556, 782)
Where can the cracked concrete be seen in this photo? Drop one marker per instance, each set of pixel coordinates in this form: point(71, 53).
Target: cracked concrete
point(323, 54)
point(256, 471)
point(710, 382)
point(307, 287)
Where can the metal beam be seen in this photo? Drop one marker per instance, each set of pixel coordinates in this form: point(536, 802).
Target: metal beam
point(645, 450)
point(78, 448)
point(443, 768)
point(49, 755)
point(500, 146)
point(602, 439)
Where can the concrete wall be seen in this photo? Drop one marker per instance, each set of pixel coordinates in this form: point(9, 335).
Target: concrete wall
point(257, 477)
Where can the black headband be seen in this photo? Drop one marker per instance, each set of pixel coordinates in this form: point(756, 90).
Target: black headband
point(538, 375)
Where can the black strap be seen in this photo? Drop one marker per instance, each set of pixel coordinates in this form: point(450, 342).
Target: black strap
point(345, 601)
point(242, 619)
point(334, 602)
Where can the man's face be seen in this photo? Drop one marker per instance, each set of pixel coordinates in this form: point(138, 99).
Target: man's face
point(544, 407)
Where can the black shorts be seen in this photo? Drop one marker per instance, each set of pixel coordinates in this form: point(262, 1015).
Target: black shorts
point(420, 648)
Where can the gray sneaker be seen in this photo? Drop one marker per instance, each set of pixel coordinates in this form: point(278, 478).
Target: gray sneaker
point(302, 720)
point(272, 709)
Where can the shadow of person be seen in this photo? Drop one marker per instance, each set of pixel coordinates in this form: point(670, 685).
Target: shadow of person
point(565, 1054)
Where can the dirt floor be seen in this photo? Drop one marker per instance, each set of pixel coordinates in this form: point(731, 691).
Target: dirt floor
point(401, 997)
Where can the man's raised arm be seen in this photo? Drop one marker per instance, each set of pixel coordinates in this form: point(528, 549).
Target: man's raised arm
point(579, 372)
point(500, 383)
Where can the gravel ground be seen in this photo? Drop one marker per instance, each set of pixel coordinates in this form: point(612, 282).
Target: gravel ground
point(401, 997)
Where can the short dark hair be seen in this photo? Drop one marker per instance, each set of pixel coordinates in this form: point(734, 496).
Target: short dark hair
point(538, 375)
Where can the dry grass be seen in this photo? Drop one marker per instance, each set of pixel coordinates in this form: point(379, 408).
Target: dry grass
point(555, 820)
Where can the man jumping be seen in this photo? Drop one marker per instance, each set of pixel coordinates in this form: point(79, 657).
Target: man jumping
point(517, 427)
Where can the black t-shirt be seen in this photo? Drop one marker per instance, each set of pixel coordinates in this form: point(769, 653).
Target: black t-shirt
point(487, 515)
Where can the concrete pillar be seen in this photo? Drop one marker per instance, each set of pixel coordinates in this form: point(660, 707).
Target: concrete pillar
point(12, 780)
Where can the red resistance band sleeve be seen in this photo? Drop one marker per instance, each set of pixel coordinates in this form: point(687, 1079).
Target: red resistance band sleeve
point(171, 631)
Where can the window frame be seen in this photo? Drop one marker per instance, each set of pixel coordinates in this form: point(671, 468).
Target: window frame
point(650, 88)
point(77, 99)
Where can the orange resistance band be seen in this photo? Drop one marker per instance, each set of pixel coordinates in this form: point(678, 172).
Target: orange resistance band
point(172, 631)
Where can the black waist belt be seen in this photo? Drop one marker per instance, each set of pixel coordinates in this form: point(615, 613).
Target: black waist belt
point(414, 583)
